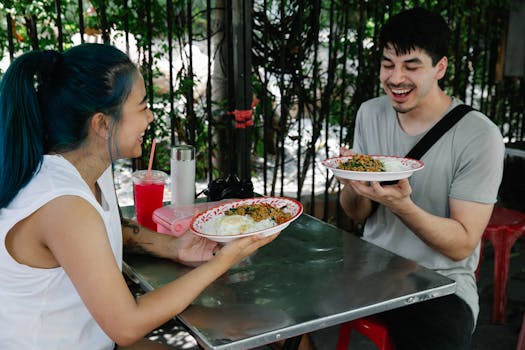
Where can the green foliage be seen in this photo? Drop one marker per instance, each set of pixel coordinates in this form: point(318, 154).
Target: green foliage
point(319, 55)
point(323, 57)
point(118, 18)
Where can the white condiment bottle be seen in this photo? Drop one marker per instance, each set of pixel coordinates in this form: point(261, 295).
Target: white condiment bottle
point(182, 175)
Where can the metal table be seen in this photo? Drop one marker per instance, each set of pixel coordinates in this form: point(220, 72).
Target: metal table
point(312, 276)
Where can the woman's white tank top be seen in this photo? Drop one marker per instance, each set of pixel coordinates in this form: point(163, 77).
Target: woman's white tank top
point(40, 308)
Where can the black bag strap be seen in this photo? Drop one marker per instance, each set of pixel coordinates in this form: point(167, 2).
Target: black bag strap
point(438, 130)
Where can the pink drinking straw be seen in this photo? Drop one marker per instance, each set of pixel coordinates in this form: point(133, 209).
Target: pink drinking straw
point(151, 156)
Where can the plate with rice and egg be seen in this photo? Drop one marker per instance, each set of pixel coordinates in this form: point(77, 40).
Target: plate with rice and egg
point(372, 167)
point(246, 217)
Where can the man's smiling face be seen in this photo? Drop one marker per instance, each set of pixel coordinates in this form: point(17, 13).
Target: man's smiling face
point(409, 78)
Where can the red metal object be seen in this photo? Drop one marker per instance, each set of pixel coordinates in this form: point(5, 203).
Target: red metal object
point(244, 118)
point(371, 327)
point(504, 228)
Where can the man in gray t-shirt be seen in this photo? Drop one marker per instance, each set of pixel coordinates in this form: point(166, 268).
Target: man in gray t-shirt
point(437, 216)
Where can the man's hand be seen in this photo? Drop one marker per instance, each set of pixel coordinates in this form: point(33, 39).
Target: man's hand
point(357, 207)
point(345, 151)
point(396, 197)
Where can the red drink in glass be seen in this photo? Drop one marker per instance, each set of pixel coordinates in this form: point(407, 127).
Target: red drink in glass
point(149, 193)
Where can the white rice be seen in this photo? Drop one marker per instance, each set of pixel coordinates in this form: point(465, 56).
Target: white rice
point(392, 165)
point(236, 224)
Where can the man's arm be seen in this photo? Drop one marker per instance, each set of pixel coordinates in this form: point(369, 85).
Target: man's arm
point(357, 207)
point(455, 236)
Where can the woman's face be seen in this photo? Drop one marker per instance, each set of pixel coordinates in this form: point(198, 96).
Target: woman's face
point(135, 118)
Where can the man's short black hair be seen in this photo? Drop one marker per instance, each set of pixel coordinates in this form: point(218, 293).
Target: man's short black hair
point(416, 28)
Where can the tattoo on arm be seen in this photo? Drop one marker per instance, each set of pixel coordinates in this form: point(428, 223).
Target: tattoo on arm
point(136, 245)
point(136, 248)
point(133, 226)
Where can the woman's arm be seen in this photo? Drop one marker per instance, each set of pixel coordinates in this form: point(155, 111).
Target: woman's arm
point(80, 245)
point(139, 239)
point(187, 249)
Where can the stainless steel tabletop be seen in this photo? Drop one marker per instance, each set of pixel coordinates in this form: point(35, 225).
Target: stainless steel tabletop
point(311, 277)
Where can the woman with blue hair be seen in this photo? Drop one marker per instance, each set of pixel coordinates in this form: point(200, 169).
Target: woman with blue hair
point(64, 117)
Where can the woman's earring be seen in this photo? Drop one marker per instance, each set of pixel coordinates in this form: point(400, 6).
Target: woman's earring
point(107, 136)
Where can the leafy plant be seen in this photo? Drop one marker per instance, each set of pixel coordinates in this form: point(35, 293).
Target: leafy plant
point(314, 63)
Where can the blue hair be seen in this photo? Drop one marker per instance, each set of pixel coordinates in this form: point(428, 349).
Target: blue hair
point(47, 100)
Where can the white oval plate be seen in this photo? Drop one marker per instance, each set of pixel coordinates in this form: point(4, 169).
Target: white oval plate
point(396, 168)
point(201, 221)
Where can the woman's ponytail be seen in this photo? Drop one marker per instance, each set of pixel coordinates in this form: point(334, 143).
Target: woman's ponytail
point(21, 126)
point(47, 100)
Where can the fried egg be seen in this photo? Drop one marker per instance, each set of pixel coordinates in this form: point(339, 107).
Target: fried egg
point(234, 224)
point(229, 225)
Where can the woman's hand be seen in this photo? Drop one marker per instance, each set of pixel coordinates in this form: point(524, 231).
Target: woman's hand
point(193, 250)
point(239, 249)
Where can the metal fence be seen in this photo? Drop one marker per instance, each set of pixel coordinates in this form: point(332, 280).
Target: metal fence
point(267, 89)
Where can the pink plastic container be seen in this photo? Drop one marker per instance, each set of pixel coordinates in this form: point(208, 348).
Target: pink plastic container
point(175, 220)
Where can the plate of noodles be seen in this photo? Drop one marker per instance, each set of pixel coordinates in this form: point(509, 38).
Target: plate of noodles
point(372, 167)
point(246, 217)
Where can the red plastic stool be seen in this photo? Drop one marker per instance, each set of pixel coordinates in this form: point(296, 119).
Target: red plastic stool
point(504, 228)
point(371, 327)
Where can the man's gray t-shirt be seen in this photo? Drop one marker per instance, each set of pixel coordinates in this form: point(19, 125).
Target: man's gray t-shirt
point(466, 163)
